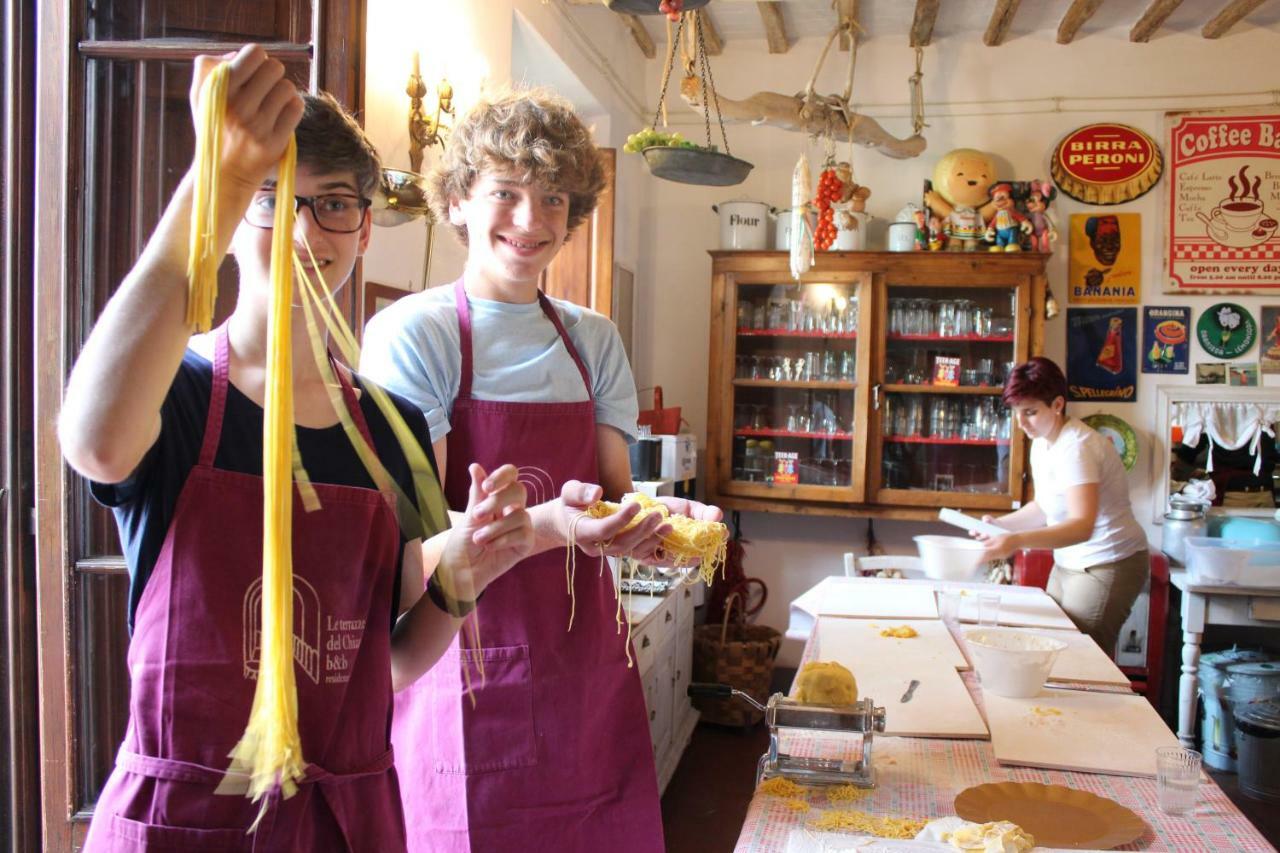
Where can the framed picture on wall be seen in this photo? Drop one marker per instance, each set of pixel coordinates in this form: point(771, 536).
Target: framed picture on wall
point(1222, 202)
point(624, 285)
point(376, 297)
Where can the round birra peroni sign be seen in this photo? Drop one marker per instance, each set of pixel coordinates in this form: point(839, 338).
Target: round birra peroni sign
point(1226, 330)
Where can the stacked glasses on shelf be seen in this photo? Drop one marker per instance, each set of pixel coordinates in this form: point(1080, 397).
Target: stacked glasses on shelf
point(948, 431)
point(794, 378)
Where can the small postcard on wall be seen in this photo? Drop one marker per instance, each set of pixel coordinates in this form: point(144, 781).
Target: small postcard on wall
point(1269, 355)
point(1166, 344)
point(1211, 373)
point(1222, 202)
point(1105, 259)
point(1102, 356)
point(1242, 374)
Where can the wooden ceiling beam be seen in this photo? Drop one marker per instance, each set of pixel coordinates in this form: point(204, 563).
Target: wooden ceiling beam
point(641, 35)
point(922, 23)
point(775, 30)
point(1152, 19)
point(1001, 20)
point(1230, 15)
point(1079, 12)
point(715, 45)
point(848, 11)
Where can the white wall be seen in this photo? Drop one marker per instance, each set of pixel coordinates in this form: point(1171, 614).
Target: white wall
point(1016, 101)
point(971, 94)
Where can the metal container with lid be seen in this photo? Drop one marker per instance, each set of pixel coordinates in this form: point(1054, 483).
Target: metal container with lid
point(1186, 517)
point(1258, 744)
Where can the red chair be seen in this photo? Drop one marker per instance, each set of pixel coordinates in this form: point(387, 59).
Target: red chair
point(1031, 568)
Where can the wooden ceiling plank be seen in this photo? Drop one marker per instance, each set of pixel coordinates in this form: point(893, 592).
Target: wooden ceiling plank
point(1230, 15)
point(1001, 20)
point(775, 29)
point(1079, 12)
point(715, 45)
point(922, 24)
point(641, 35)
point(1151, 19)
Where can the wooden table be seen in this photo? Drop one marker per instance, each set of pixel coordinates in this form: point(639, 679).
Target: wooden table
point(920, 778)
point(1213, 605)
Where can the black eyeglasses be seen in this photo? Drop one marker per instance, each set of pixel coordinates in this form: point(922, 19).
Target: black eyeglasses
point(339, 212)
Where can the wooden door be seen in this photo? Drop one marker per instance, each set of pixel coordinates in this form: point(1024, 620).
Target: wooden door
point(583, 271)
point(114, 139)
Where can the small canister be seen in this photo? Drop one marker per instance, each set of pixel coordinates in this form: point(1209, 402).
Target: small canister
point(1184, 518)
point(1258, 746)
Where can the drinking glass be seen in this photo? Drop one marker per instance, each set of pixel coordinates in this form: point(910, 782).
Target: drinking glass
point(988, 609)
point(1177, 779)
point(949, 604)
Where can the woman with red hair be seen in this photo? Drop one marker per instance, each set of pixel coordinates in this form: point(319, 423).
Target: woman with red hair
point(1081, 509)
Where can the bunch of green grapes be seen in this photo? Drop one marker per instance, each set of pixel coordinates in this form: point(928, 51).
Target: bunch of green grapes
point(647, 137)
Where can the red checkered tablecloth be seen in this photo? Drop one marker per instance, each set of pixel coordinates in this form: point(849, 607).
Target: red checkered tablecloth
point(920, 778)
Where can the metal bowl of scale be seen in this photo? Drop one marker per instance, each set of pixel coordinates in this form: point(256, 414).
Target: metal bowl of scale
point(696, 166)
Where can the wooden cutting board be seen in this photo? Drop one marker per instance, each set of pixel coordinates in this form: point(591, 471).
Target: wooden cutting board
point(933, 643)
point(1072, 730)
point(878, 599)
point(1083, 661)
point(939, 707)
point(1020, 607)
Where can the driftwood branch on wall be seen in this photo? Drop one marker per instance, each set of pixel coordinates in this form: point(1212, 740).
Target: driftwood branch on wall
point(814, 116)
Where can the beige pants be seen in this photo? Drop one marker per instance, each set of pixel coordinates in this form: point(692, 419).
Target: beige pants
point(1254, 500)
point(1098, 599)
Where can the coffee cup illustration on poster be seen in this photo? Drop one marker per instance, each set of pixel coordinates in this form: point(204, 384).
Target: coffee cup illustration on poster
point(1226, 330)
point(1102, 354)
point(1105, 259)
point(1166, 342)
point(1269, 352)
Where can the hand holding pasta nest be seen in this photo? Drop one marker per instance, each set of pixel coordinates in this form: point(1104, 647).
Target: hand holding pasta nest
point(683, 541)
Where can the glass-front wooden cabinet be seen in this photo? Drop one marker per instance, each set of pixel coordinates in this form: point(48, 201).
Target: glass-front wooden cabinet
point(872, 386)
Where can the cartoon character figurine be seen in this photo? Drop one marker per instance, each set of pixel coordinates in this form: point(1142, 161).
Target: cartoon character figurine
point(959, 190)
point(1008, 224)
point(937, 239)
point(922, 231)
point(1044, 231)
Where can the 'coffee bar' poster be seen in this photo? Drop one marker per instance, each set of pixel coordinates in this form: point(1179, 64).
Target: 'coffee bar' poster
point(1222, 200)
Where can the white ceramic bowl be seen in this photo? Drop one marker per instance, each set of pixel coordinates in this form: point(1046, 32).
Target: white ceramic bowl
point(1012, 663)
point(950, 558)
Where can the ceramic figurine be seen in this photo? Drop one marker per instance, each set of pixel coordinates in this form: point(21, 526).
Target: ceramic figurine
point(1044, 232)
point(1007, 225)
point(922, 231)
point(958, 191)
point(937, 239)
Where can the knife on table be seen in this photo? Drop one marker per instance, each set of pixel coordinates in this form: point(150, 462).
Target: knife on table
point(911, 689)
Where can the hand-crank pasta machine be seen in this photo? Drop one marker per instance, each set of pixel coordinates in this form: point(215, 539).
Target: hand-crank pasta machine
point(862, 719)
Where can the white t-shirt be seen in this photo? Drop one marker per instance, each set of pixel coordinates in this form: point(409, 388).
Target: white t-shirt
point(1079, 456)
point(412, 347)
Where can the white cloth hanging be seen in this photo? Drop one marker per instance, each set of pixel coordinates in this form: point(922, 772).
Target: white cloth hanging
point(1229, 425)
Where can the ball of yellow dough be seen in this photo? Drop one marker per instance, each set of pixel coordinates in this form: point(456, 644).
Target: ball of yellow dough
point(826, 683)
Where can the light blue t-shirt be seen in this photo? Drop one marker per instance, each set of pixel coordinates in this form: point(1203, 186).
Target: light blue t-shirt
point(412, 347)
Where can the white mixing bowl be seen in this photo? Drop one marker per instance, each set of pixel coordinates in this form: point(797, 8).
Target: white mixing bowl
point(950, 558)
point(1012, 663)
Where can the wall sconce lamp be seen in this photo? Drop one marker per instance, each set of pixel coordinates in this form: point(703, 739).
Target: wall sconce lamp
point(426, 130)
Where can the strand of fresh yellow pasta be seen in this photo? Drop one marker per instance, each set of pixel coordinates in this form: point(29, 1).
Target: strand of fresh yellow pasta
point(202, 258)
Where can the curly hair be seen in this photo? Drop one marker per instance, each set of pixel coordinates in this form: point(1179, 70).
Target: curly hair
point(330, 140)
point(1036, 378)
point(534, 134)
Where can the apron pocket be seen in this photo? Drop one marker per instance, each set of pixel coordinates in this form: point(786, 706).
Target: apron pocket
point(496, 732)
point(136, 835)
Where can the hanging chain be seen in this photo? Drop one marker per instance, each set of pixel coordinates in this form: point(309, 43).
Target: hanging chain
point(666, 76)
point(917, 94)
point(709, 84)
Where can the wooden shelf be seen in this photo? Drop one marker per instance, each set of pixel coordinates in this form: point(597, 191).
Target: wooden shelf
point(925, 388)
point(787, 333)
point(822, 384)
point(782, 433)
point(954, 339)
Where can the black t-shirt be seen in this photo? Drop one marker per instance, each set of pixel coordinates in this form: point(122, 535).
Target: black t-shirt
point(144, 503)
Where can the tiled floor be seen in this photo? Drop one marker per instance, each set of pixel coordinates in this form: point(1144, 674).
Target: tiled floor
point(706, 802)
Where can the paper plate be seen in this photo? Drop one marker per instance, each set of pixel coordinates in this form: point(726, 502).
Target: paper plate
point(1056, 815)
point(1118, 433)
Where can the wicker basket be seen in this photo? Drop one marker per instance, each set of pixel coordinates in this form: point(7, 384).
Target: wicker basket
point(739, 655)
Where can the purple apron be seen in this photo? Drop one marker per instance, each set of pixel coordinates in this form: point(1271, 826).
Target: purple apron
point(555, 752)
point(193, 662)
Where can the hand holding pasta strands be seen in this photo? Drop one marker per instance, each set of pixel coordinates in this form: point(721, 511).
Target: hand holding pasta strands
point(684, 541)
